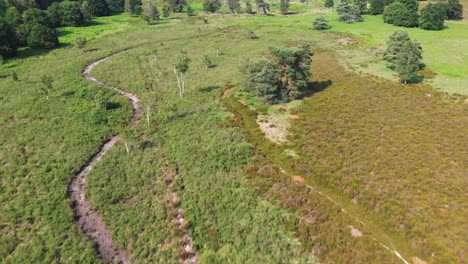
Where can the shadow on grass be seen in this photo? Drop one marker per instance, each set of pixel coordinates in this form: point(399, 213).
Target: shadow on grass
point(208, 89)
point(316, 87)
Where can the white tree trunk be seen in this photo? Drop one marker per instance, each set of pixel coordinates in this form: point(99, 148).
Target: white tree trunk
point(178, 82)
point(182, 81)
point(126, 147)
point(148, 108)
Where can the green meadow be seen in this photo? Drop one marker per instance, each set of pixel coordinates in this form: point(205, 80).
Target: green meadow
point(381, 157)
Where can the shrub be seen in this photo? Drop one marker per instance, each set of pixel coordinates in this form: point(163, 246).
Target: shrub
point(98, 7)
point(70, 14)
point(166, 10)
point(80, 42)
point(8, 40)
point(454, 9)
point(151, 14)
point(432, 17)
point(42, 37)
point(399, 15)
point(190, 11)
point(284, 6)
point(410, 4)
point(329, 3)
point(349, 13)
point(234, 6)
point(176, 6)
point(211, 5)
point(320, 23)
point(376, 7)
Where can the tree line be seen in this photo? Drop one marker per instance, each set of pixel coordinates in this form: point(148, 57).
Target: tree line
point(403, 13)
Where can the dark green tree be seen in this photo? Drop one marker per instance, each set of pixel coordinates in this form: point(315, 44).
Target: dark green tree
point(329, 3)
point(8, 41)
point(234, 6)
point(70, 14)
point(211, 5)
point(408, 61)
point(362, 4)
point(432, 17)
point(166, 10)
point(282, 78)
point(115, 6)
point(454, 9)
point(98, 7)
point(349, 13)
point(376, 7)
point(320, 23)
point(133, 7)
point(55, 14)
point(190, 11)
point(399, 15)
point(284, 6)
point(86, 12)
point(410, 4)
point(37, 30)
point(177, 6)
point(394, 44)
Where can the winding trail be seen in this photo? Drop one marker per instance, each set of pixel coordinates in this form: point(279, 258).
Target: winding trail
point(88, 220)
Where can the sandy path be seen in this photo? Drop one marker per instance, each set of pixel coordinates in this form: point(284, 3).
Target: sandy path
point(89, 221)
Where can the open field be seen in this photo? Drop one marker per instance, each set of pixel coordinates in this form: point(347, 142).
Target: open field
point(396, 151)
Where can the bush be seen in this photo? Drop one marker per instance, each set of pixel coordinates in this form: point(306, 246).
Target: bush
point(211, 5)
point(349, 13)
point(176, 6)
point(320, 23)
point(190, 11)
point(329, 3)
point(70, 14)
point(399, 15)
point(8, 41)
point(80, 42)
point(98, 7)
point(234, 6)
point(454, 9)
point(410, 4)
point(376, 7)
point(432, 17)
point(42, 37)
point(284, 6)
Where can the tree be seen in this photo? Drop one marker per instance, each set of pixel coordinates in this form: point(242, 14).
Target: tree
point(133, 7)
point(46, 85)
point(248, 7)
point(454, 9)
point(190, 11)
point(70, 14)
point(283, 77)
point(211, 5)
point(329, 3)
point(37, 30)
point(86, 12)
point(362, 4)
point(151, 14)
point(115, 6)
point(349, 13)
point(399, 15)
point(408, 61)
point(320, 23)
point(410, 4)
point(166, 10)
point(376, 7)
point(234, 6)
point(181, 67)
point(432, 17)
point(177, 6)
point(394, 45)
point(262, 7)
point(55, 14)
point(8, 40)
point(284, 6)
point(98, 7)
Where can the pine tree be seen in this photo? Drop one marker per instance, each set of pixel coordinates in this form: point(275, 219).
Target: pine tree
point(321, 23)
point(329, 3)
point(408, 61)
point(234, 6)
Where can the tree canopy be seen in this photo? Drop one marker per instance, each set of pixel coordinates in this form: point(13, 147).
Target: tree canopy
point(283, 77)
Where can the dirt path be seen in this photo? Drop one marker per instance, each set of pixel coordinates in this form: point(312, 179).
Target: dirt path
point(89, 221)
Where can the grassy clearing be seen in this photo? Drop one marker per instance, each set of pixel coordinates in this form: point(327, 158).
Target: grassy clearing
point(443, 56)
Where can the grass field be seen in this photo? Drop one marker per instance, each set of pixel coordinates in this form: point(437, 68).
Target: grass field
point(239, 207)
